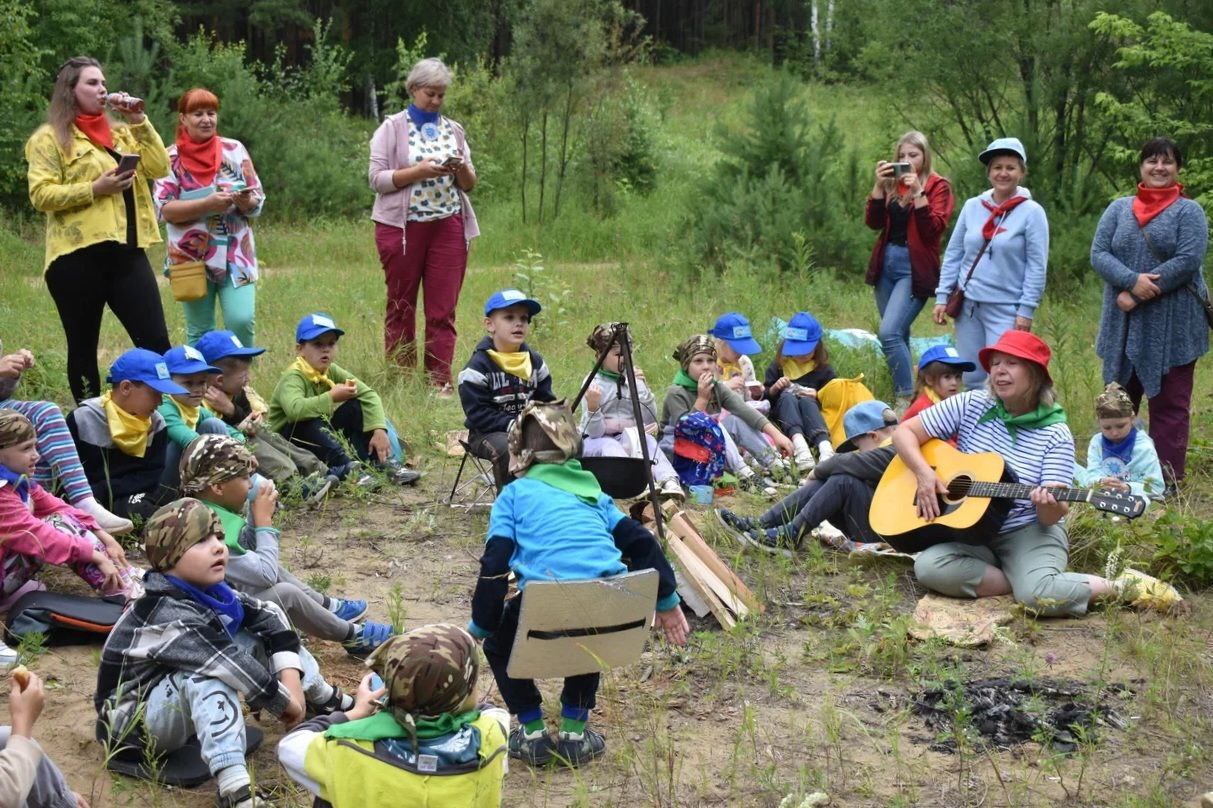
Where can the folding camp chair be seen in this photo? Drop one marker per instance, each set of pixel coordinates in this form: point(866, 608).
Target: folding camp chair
point(478, 490)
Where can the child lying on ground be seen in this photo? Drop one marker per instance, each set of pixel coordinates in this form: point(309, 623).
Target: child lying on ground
point(1120, 456)
point(801, 368)
point(501, 376)
point(185, 416)
point(839, 491)
point(555, 524)
point(940, 375)
point(28, 778)
point(121, 438)
point(316, 397)
point(608, 421)
point(59, 466)
point(181, 657)
point(428, 745)
point(219, 472)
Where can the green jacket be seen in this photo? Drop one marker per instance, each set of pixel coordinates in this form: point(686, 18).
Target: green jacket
point(297, 399)
point(679, 401)
point(179, 432)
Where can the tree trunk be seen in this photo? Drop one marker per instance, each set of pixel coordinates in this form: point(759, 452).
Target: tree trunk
point(816, 30)
point(564, 147)
point(829, 23)
point(543, 162)
point(526, 130)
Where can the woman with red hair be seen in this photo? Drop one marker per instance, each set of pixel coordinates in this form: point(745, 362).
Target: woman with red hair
point(206, 202)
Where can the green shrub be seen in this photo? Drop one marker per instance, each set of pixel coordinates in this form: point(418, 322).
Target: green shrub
point(1184, 549)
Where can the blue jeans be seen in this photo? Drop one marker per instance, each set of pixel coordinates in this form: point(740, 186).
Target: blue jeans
point(898, 308)
point(979, 325)
point(237, 303)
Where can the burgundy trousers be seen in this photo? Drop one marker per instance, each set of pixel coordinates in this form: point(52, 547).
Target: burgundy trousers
point(436, 257)
point(1170, 411)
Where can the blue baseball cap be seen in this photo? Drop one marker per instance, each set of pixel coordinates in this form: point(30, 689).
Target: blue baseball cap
point(734, 328)
point(865, 417)
point(147, 367)
point(510, 297)
point(186, 359)
point(947, 355)
point(216, 345)
point(801, 334)
point(1003, 145)
point(313, 325)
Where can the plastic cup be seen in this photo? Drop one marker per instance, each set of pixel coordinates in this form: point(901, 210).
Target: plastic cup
point(702, 494)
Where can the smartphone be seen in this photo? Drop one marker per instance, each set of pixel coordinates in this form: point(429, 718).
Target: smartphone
point(452, 162)
point(129, 162)
point(900, 169)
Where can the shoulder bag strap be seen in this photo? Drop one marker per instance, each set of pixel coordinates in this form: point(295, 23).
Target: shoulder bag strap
point(973, 266)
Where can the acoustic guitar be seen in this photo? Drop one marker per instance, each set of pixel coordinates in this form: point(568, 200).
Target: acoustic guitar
point(981, 488)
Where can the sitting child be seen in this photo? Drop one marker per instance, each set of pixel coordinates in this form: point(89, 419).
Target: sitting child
point(181, 656)
point(696, 388)
point(555, 524)
point(121, 437)
point(502, 375)
point(218, 471)
point(801, 368)
point(316, 396)
point(1120, 456)
point(839, 491)
point(940, 369)
point(37, 527)
point(59, 466)
point(185, 416)
point(383, 757)
point(233, 399)
point(734, 344)
point(608, 421)
point(28, 777)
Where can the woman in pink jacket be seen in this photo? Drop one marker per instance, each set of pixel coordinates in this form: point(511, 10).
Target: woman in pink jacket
point(421, 170)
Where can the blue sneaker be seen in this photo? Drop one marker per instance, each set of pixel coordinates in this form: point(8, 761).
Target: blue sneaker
point(370, 636)
point(351, 610)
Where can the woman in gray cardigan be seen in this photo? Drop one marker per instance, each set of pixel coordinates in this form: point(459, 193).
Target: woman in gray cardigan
point(1148, 249)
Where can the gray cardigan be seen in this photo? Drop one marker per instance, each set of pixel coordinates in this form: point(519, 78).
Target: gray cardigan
point(1170, 330)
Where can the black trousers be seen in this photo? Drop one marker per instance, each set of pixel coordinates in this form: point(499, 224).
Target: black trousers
point(580, 692)
point(800, 415)
point(82, 284)
point(493, 447)
point(316, 434)
point(841, 499)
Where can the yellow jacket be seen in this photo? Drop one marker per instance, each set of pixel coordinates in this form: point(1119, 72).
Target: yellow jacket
point(60, 185)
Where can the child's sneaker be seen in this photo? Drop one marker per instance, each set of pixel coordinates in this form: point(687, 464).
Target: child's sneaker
point(774, 540)
point(577, 749)
point(1144, 591)
point(672, 489)
point(245, 797)
point(339, 701)
point(369, 637)
point(735, 523)
point(535, 750)
point(8, 657)
point(399, 474)
point(316, 488)
point(351, 610)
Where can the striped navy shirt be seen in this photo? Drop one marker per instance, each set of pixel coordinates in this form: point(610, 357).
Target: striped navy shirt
point(1037, 456)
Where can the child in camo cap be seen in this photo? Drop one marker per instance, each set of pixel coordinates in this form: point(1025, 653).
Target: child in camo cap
point(219, 472)
point(1120, 456)
point(429, 724)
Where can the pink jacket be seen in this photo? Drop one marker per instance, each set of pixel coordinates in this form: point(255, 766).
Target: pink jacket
point(23, 531)
point(390, 151)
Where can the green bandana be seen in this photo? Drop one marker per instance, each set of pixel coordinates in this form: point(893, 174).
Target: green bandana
point(232, 523)
point(382, 725)
point(612, 376)
point(1038, 418)
point(683, 380)
point(568, 476)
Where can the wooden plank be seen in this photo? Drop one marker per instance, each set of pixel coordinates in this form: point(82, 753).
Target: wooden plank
point(689, 562)
point(690, 596)
point(681, 524)
point(719, 587)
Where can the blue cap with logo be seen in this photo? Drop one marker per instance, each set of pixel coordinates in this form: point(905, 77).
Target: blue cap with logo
point(147, 367)
point(510, 297)
point(315, 324)
point(947, 355)
point(216, 345)
point(865, 417)
point(734, 328)
point(801, 334)
point(186, 359)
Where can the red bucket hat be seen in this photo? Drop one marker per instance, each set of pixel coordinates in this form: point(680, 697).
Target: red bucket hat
point(1023, 344)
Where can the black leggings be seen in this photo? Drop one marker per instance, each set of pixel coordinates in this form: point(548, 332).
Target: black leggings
point(82, 283)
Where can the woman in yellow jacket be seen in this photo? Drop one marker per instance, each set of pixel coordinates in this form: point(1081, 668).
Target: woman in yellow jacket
point(99, 221)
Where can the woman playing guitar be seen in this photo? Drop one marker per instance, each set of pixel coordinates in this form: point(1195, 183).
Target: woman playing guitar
point(1018, 417)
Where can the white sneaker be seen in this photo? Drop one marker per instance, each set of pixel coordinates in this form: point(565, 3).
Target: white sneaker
point(827, 532)
point(8, 657)
point(804, 461)
point(111, 523)
point(671, 488)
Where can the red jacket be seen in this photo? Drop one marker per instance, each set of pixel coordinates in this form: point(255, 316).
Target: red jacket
point(923, 234)
point(23, 531)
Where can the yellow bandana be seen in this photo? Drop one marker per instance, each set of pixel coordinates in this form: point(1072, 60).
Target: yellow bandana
point(256, 403)
point(931, 394)
point(189, 415)
point(310, 373)
point(729, 369)
point(129, 432)
point(794, 369)
point(517, 363)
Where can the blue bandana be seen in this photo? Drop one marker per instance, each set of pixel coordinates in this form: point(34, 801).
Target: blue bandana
point(220, 599)
point(19, 482)
point(1121, 449)
point(426, 122)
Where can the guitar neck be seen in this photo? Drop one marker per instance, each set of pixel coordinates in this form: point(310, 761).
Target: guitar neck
point(1021, 491)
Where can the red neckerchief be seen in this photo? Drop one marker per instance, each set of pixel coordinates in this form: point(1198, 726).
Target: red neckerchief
point(201, 160)
point(1150, 202)
point(991, 228)
point(97, 129)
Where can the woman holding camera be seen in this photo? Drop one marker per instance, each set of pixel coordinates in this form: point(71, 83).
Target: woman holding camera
point(910, 205)
point(210, 193)
point(89, 176)
point(421, 170)
point(1148, 249)
point(993, 273)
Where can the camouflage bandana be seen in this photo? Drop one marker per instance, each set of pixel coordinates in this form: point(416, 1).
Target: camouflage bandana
point(175, 528)
point(1113, 402)
point(212, 459)
point(601, 336)
point(14, 428)
point(557, 423)
point(427, 671)
point(692, 347)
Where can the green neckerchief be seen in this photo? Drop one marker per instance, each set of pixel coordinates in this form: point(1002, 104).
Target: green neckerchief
point(568, 476)
point(232, 523)
point(612, 376)
point(683, 380)
point(1038, 418)
point(383, 725)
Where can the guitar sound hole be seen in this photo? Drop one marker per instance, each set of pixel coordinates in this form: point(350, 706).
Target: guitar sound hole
point(958, 489)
